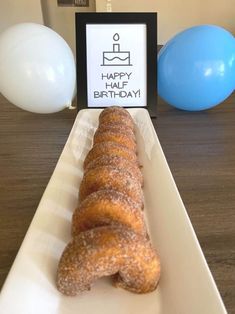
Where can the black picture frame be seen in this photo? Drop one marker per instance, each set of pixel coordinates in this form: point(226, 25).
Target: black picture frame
point(149, 19)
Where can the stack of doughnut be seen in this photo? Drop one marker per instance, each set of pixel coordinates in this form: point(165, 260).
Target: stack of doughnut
point(109, 236)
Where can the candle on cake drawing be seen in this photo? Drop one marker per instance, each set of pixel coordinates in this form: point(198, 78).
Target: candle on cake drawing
point(116, 57)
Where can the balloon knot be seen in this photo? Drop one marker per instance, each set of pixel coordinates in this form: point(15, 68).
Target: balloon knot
point(71, 106)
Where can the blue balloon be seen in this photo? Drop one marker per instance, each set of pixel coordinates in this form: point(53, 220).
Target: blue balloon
point(196, 68)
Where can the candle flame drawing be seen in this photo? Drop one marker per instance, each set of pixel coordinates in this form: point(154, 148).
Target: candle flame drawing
point(116, 37)
point(116, 57)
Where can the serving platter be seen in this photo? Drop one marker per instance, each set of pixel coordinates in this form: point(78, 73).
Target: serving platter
point(186, 285)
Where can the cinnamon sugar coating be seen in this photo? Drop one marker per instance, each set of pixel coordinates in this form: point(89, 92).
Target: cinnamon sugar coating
point(106, 251)
point(109, 148)
point(107, 177)
point(114, 136)
point(107, 207)
point(116, 115)
point(115, 110)
point(117, 162)
point(108, 228)
point(116, 127)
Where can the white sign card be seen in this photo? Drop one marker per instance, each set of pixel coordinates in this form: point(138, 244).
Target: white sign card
point(116, 65)
point(117, 60)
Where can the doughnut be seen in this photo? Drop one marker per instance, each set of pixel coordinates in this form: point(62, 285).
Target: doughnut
point(115, 109)
point(118, 163)
point(107, 177)
point(105, 251)
point(114, 136)
point(107, 207)
point(116, 115)
point(117, 118)
point(109, 235)
point(109, 148)
point(116, 127)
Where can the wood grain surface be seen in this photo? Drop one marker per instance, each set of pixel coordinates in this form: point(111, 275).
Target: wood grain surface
point(200, 150)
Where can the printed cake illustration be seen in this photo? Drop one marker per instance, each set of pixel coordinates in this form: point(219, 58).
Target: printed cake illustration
point(116, 57)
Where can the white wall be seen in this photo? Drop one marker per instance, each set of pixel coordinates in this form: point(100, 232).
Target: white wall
point(18, 11)
point(176, 15)
point(62, 19)
point(173, 15)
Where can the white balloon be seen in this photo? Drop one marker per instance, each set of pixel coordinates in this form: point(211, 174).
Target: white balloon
point(37, 68)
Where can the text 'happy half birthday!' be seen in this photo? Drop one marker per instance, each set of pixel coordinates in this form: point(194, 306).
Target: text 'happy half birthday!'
point(116, 86)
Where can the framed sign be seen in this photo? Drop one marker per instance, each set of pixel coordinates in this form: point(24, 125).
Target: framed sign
point(117, 60)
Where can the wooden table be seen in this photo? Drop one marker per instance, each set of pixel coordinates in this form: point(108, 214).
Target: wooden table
point(199, 147)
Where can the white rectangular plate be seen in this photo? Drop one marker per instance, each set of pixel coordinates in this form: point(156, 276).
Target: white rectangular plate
point(186, 285)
